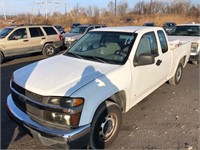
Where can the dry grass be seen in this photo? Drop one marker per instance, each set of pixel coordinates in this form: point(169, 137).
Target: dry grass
point(109, 20)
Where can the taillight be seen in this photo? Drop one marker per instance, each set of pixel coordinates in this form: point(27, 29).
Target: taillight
point(60, 37)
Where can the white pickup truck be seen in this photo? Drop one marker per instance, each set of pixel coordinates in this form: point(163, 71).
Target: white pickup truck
point(77, 98)
point(185, 33)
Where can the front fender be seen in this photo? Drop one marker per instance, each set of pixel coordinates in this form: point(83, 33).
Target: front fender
point(101, 89)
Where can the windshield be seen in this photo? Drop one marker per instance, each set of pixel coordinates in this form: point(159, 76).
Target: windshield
point(186, 31)
point(5, 32)
point(78, 30)
point(105, 47)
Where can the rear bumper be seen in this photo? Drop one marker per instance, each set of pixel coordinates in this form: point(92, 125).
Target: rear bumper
point(194, 56)
point(58, 44)
point(75, 138)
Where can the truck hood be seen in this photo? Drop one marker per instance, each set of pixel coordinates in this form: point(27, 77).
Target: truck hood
point(60, 75)
point(185, 39)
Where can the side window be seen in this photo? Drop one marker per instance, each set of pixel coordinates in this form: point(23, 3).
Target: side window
point(147, 45)
point(18, 34)
point(163, 41)
point(50, 31)
point(97, 26)
point(36, 32)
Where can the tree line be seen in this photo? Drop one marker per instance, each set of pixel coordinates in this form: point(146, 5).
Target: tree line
point(122, 8)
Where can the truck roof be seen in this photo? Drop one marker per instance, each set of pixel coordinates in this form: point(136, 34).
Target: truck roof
point(129, 29)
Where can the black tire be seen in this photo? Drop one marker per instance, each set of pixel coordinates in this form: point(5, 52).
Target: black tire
point(1, 57)
point(178, 75)
point(48, 50)
point(105, 125)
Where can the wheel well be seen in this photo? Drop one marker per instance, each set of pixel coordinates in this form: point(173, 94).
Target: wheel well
point(120, 99)
point(48, 43)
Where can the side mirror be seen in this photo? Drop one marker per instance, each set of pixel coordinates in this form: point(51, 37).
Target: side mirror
point(144, 59)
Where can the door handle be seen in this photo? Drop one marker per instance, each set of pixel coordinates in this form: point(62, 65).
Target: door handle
point(25, 40)
point(158, 62)
point(43, 38)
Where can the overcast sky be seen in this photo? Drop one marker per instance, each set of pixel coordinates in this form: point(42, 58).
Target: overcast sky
point(13, 7)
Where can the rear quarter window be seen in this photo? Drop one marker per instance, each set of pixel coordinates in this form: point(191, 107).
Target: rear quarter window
point(163, 41)
point(50, 31)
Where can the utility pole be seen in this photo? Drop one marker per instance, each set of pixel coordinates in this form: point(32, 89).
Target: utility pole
point(115, 7)
point(46, 7)
point(3, 8)
point(151, 6)
point(49, 6)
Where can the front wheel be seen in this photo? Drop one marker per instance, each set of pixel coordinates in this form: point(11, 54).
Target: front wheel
point(105, 125)
point(48, 50)
point(178, 75)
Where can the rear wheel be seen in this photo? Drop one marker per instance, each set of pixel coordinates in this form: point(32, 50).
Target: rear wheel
point(177, 77)
point(105, 125)
point(1, 57)
point(48, 50)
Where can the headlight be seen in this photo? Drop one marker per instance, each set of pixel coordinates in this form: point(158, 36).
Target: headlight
point(194, 46)
point(64, 110)
point(65, 102)
point(70, 39)
point(62, 118)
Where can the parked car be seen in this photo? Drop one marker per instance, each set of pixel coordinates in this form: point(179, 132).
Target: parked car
point(188, 32)
point(23, 39)
point(77, 98)
point(77, 32)
point(151, 24)
point(167, 26)
point(60, 28)
point(75, 24)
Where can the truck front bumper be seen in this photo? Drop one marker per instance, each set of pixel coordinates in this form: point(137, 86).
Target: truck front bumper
point(75, 138)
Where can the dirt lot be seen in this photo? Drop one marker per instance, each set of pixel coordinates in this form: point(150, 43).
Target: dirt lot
point(168, 119)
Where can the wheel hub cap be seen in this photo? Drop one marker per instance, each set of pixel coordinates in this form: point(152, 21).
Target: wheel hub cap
point(107, 127)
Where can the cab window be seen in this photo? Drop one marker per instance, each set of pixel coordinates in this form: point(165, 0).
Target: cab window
point(147, 45)
point(18, 34)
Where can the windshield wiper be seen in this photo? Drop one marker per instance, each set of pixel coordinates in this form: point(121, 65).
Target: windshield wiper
point(73, 54)
point(100, 59)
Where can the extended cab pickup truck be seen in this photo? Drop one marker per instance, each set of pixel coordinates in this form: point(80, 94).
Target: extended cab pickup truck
point(185, 33)
point(77, 98)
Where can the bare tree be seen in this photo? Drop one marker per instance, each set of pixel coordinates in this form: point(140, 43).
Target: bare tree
point(111, 7)
point(122, 8)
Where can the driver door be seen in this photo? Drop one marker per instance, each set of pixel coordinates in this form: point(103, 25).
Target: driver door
point(146, 78)
point(18, 42)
